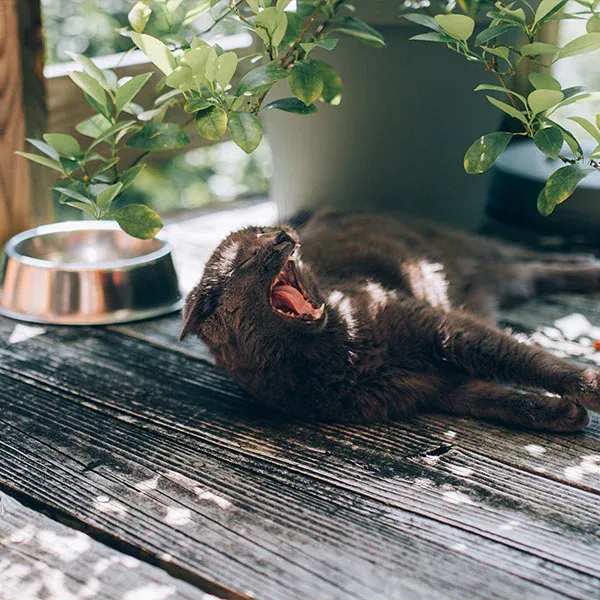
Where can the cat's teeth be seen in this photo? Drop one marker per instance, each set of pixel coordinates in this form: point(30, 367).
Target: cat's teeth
point(319, 311)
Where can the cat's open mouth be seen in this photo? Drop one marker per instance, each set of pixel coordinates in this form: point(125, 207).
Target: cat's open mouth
point(288, 296)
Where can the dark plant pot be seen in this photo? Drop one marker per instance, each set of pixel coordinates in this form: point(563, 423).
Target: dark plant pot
point(518, 177)
point(397, 140)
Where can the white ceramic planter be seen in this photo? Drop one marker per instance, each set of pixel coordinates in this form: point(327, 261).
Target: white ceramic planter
point(397, 140)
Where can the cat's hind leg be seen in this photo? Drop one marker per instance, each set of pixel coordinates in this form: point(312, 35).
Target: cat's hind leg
point(531, 410)
point(463, 344)
point(524, 280)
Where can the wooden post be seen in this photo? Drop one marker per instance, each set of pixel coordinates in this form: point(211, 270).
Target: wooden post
point(21, 77)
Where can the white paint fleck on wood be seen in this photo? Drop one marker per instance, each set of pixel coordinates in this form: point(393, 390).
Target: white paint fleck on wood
point(22, 333)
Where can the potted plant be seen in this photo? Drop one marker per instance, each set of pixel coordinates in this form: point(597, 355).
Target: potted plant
point(391, 139)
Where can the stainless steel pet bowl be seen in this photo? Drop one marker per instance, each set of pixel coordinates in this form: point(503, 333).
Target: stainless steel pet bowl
point(86, 273)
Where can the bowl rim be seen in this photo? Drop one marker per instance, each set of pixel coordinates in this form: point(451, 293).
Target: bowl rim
point(69, 226)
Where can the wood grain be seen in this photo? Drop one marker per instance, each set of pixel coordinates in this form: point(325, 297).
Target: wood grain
point(41, 558)
point(326, 511)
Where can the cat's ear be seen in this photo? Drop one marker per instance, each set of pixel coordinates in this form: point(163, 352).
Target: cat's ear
point(199, 305)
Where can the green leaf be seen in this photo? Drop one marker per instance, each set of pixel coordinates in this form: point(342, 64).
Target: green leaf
point(595, 152)
point(109, 164)
point(198, 59)
point(460, 27)
point(89, 209)
point(580, 45)
point(483, 153)
point(572, 142)
point(261, 76)
point(561, 184)
point(492, 32)
point(139, 16)
point(225, 68)
point(253, 4)
point(584, 97)
point(541, 81)
point(326, 44)
point(359, 29)
point(128, 91)
point(537, 48)
point(332, 83)
point(128, 176)
point(292, 105)
point(432, 36)
point(94, 126)
point(103, 109)
point(74, 195)
point(42, 160)
point(549, 141)
point(193, 13)
point(69, 165)
point(305, 82)
point(156, 51)
point(245, 130)
point(545, 8)
point(196, 104)
point(517, 14)
point(198, 43)
point(90, 86)
point(573, 91)
point(111, 131)
point(588, 126)
point(497, 88)
point(501, 51)
point(138, 221)
point(47, 149)
point(541, 100)
point(506, 17)
point(107, 195)
point(211, 123)
point(159, 136)
point(421, 19)
point(181, 78)
point(545, 208)
point(508, 109)
point(593, 24)
point(274, 22)
point(91, 69)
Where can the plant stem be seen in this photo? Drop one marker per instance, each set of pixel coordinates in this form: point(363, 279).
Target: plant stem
point(508, 90)
point(139, 158)
point(301, 35)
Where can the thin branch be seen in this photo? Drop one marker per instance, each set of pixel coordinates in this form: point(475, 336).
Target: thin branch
point(301, 35)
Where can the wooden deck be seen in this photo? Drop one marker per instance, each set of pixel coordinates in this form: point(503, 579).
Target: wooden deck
point(131, 469)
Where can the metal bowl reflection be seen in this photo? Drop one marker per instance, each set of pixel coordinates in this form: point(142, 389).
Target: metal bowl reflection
point(86, 273)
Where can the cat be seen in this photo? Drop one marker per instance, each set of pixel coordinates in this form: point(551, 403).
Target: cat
point(360, 318)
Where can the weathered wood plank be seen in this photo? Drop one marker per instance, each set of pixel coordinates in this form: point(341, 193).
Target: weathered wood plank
point(494, 515)
point(41, 558)
point(396, 543)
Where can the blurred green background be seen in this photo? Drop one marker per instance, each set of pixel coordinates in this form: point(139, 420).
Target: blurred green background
point(198, 178)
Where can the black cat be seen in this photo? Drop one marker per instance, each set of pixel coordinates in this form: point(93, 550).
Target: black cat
point(381, 318)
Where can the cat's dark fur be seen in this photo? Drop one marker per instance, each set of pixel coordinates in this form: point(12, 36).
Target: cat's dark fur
point(406, 325)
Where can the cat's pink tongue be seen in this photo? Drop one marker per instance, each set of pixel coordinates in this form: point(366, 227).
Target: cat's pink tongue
point(288, 298)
